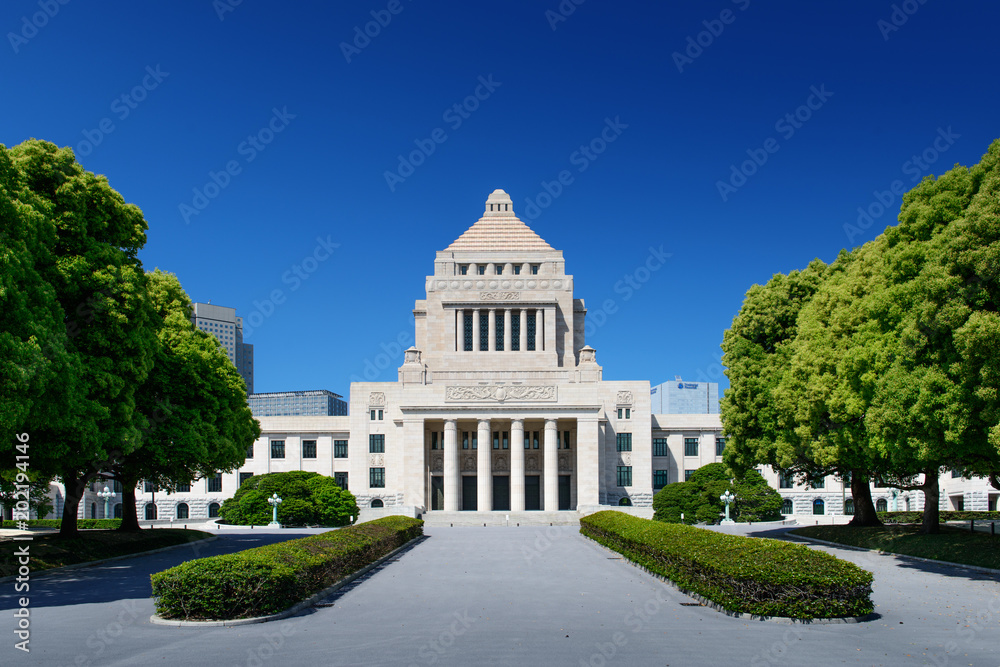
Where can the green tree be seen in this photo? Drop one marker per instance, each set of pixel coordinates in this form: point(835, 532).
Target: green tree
point(91, 239)
point(307, 498)
point(755, 499)
point(675, 499)
point(194, 401)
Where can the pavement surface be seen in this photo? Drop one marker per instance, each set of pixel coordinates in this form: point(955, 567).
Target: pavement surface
point(503, 596)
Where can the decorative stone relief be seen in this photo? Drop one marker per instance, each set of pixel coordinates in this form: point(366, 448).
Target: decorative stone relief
point(377, 459)
point(564, 462)
point(500, 464)
point(501, 393)
point(469, 462)
point(531, 462)
point(376, 399)
point(437, 463)
point(499, 296)
point(626, 458)
point(624, 398)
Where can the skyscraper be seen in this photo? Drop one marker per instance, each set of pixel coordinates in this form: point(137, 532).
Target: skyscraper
point(223, 323)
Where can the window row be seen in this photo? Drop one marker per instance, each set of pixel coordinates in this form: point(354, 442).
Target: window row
point(498, 269)
point(151, 513)
point(470, 333)
point(213, 484)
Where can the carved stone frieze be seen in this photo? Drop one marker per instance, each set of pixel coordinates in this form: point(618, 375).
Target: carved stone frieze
point(624, 398)
point(501, 464)
point(469, 463)
point(531, 463)
point(377, 459)
point(501, 393)
point(499, 296)
point(626, 458)
point(437, 463)
point(376, 399)
point(564, 463)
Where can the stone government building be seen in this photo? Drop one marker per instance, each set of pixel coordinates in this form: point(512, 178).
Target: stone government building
point(500, 405)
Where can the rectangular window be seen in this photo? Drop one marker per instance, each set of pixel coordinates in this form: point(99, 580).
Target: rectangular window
point(534, 439)
point(687, 474)
point(527, 439)
point(376, 478)
point(277, 449)
point(624, 475)
point(534, 269)
point(250, 452)
point(465, 439)
point(467, 330)
point(308, 449)
point(506, 440)
point(620, 411)
point(215, 483)
point(376, 443)
point(484, 330)
point(517, 269)
point(499, 330)
point(117, 488)
point(690, 446)
point(628, 413)
point(340, 449)
point(147, 487)
point(499, 269)
point(372, 415)
point(341, 479)
point(515, 331)
point(660, 447)
point(720, 445)
point(955, 474)
point(481, 269)
point(785, 481)
point(244, 476)
point(659, 479)
point(463, 269)
point(434, 440)
point(819, 483)
point(565, 439)
point(380, 415)
point(183, 488)
point(624, 442)
point(475, 439)
point(530, 333)
point(496, 439)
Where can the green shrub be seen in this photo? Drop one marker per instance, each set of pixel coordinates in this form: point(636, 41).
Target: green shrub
point(748, 575)
point(698, 498)
point(272, 578)
point(674, 499)
point(308, 498)
point(755, 499)
point(101, 524)
point(917, 517)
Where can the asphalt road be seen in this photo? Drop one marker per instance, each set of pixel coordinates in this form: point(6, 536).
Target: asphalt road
point(503, 596)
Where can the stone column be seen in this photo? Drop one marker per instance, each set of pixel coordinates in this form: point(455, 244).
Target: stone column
point(551, 468)
point(523, 333)
point(493, 329)
point(506, 329)
point(475, 330)
point(517, 465)
point(459, 330)
point(452, 481)
point(550, 329)
point(484, 472)
point(588, 462)
point(413, 471)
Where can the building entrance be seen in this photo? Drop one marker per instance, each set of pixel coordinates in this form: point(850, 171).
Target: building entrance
point(532, 493)
point(469, 493)
point(437, 493)
point(564, 492)
point(501, 493)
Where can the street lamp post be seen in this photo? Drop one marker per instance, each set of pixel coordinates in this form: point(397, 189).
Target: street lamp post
point(106, 495)
point(727, 498)
point(274, 501)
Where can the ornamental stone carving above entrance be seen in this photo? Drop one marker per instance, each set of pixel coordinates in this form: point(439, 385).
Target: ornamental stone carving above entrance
point(376, 399)
point(499, 296)
point(437, 463)
point(501, 393)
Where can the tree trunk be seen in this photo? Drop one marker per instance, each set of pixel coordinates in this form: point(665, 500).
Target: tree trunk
point(75, 485)
point(864, 508)
point(932, 494)
point(130, 516)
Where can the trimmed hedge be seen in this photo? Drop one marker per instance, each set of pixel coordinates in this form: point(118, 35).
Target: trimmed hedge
point(101, 524)
point(269, 579)
point(743, 574)
point(945, 515)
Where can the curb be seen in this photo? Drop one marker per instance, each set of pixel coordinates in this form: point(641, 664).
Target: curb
point(155, 619)
point(781, 620)
point(974, 568)
point(90, 563)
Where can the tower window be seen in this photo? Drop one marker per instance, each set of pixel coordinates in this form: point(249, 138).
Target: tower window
point(467, 331)
point(534, 269)
point(499, 269)
point(482, 269)
point(531, 330)
point(515, 330)
point(517, 269)
point(463, 269)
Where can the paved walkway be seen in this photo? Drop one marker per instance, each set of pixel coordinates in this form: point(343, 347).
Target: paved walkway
point(506, 596)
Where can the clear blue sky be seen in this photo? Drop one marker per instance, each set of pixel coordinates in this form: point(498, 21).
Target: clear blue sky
point(887, 92)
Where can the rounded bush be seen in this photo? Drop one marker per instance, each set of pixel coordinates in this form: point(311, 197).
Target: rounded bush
point(307, 498)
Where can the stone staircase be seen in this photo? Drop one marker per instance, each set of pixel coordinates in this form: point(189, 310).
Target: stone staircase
point(511, 519)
